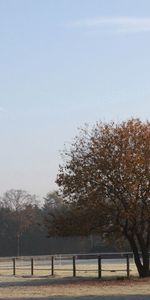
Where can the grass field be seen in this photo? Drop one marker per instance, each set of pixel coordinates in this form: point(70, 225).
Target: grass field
point(85, 286)
point(63, 267)
point(73, 289)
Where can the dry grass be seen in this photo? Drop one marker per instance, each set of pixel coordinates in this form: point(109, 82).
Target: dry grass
point(63, 268)
point(73, 289)
point(84, 287)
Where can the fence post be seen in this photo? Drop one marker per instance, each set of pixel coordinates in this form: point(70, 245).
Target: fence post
point(128, 265)
point(14, 266)
point(32, 267)
point(52, 266)
point(74, 266)
point(99, 266)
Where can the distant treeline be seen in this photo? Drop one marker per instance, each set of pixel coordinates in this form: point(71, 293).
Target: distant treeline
point(24, 228)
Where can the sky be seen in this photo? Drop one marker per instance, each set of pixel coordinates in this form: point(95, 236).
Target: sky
point(64, 63)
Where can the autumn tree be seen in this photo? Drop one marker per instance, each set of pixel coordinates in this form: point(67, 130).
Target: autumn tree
point(20, 210)
point(105, 181)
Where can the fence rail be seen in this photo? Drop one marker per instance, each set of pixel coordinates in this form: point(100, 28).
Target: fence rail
point(95, 265)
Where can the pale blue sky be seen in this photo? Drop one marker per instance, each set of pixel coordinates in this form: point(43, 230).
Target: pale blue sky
point(64, 63)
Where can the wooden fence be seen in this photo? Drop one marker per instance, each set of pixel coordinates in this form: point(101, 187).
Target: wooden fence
point(96, 265)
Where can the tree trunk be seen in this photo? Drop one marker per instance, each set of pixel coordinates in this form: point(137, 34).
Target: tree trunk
point(143, 269)
point(145, 254)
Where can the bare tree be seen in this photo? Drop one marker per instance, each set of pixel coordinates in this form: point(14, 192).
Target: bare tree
point(20, 206)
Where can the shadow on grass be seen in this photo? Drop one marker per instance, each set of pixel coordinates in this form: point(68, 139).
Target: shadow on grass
point(56, 281)
point(48, 281)
point(90, 297)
